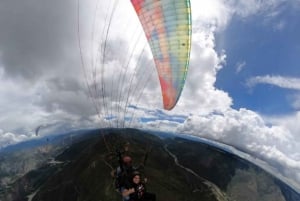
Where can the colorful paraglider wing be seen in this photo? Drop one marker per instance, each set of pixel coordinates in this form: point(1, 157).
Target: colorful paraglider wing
point(167, 25)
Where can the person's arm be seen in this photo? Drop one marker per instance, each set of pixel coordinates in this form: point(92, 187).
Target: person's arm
point(127, 192)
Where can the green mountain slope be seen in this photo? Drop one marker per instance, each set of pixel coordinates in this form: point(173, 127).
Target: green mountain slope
point(177, 170)
point(87, 175)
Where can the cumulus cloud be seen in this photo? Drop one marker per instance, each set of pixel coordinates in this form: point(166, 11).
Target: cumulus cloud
point(8, 138)
point(288, 122)
point(33, 43)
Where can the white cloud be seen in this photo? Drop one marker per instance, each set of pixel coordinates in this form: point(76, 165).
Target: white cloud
point(253, 7)
point(211, 14)
point(240, 66)
point(288, 122)
point(279, 81)
point(296, 101)
point(7, 138)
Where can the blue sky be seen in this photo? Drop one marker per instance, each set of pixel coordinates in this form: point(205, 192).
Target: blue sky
point(261, 45)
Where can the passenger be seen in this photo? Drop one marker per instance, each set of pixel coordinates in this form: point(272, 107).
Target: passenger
point(136, 190)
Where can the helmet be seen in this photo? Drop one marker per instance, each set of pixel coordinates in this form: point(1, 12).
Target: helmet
point(127, 160)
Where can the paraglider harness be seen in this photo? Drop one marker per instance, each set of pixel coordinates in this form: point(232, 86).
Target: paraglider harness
point(140, 189)
point(124, 173)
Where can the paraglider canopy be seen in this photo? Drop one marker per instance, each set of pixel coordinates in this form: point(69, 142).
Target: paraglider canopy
point(167, 26)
